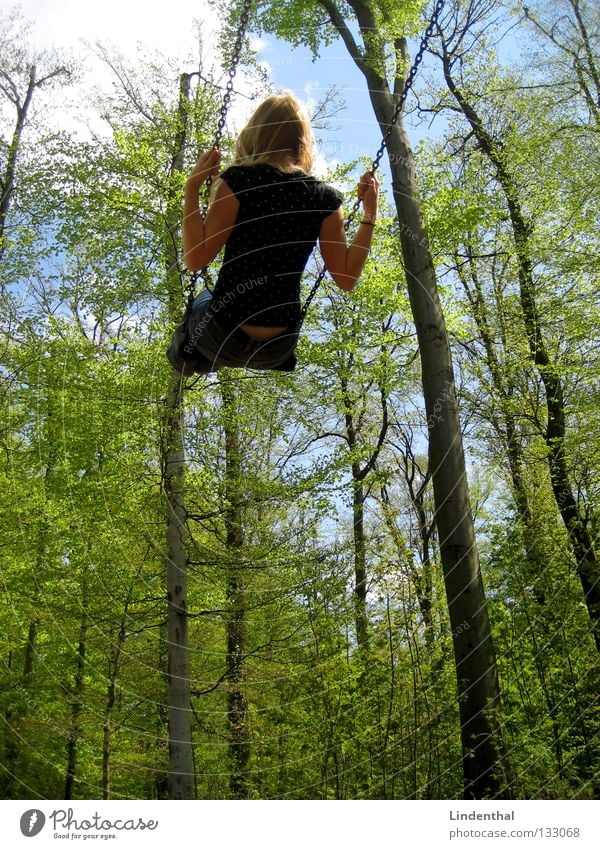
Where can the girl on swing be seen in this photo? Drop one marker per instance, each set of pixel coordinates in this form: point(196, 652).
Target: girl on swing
point(268, 213)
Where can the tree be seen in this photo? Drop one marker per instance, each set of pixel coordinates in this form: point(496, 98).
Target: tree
point(237, 704)
point(181, 771)
point(285, 700)
point(22, 75)
point(575, 43)
point(501, 386)
point(383, 53)
point(452, 49)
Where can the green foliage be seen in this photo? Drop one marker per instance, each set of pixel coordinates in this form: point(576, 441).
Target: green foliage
point(310, 23)
point(90, 288)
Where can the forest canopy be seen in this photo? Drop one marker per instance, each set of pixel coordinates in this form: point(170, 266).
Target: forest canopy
point(242, 586)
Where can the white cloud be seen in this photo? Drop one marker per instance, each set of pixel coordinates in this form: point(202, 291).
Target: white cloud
point(323, 166)
point(123, 23)
point(258, 44)
point(123, 26)
point(309, 87)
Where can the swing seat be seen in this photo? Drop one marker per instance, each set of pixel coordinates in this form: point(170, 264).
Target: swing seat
point(185, 363)
point(200, 345)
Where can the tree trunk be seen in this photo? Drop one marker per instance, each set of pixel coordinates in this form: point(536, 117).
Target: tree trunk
point(161, 774)
point(8, 178)
point(77, 697)
point(111, 694)
point(359, 474)
point(12, 718)
point(237, 705)
point(478, 689)
point(360, 562)
point(22, 106)
point(506, 423)
point(181, 771)
point(422, 579)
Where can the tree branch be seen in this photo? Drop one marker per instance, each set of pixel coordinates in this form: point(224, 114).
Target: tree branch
point(340, 25)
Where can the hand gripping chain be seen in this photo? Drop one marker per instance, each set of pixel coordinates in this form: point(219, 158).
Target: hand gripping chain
point(237, 52)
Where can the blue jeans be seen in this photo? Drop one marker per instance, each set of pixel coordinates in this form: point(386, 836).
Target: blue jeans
point(213, 347)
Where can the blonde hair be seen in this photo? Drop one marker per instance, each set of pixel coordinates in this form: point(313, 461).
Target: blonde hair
point(278, 133)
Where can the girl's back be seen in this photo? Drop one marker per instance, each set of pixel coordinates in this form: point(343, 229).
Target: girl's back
point(278, 223)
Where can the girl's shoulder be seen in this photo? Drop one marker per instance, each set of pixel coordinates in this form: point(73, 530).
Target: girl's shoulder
point(244, 177)
point(241, 178)
point(331, 197)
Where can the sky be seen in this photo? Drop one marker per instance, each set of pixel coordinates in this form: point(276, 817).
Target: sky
point(170, 29)
point(123, 22)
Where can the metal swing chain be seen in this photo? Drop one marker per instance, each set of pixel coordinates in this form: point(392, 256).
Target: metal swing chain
point(237, 52)
point(235, 59)
point(393, 121)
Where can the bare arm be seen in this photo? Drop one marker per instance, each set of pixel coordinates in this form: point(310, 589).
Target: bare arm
point(345, 262)
point(204, 238)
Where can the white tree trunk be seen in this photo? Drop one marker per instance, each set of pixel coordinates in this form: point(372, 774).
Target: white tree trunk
point(181, 771)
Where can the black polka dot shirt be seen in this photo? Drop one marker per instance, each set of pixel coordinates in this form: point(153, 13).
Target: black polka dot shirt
point(277, 227)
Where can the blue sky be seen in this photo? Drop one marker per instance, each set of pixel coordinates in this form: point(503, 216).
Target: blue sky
point(70, 23)
point(354, 131)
